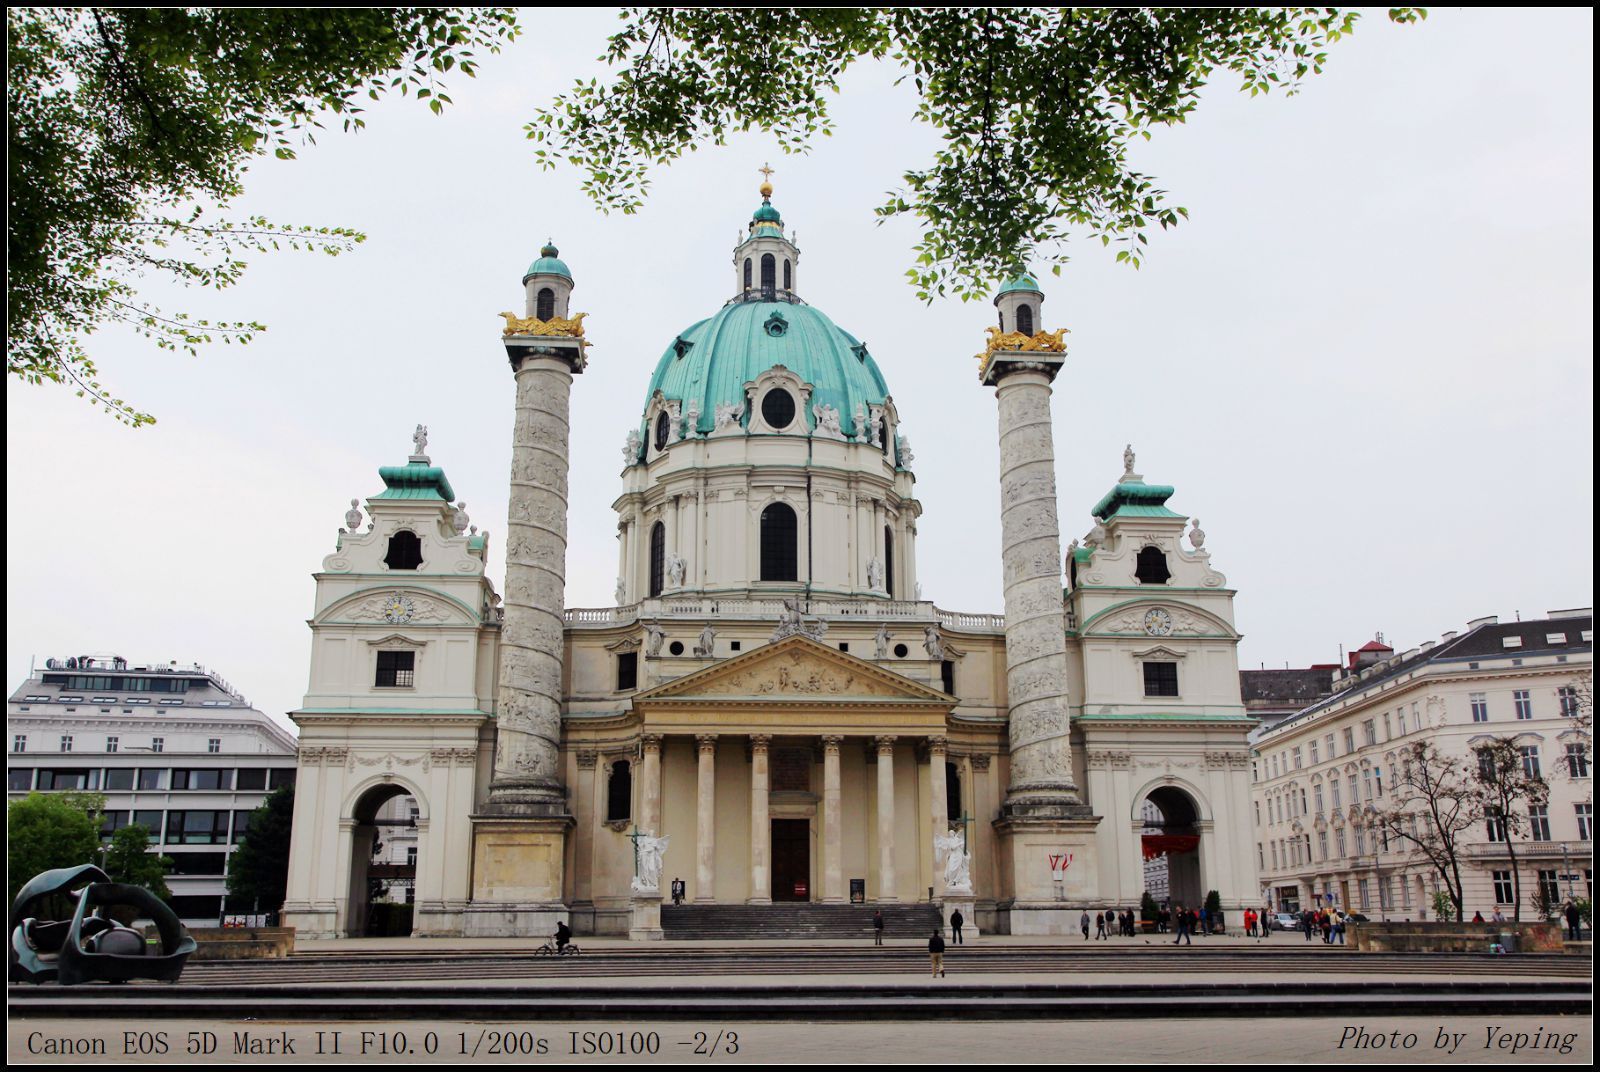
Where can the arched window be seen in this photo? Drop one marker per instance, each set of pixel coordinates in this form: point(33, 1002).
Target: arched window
point(1152, 567)
point(1025, 319)
point(788, 279)
point(779, 544)
point(658, 558)
point(888, 560)
point(1002, 321)
point(663, 429)
point(769, 273)
point(546, 304)
point(747, 273)
point(405, 551)
point(619, 792)
point(952, 790)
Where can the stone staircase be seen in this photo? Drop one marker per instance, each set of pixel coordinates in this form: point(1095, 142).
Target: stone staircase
point(700, 922)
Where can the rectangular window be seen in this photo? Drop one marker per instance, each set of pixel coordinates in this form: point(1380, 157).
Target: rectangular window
point(1333, 791)
point(1354, 796)
point(1369, 732)
point(1384, 899)
point(1361, 841)
point(1338, 839)
point(1297, 757)
point(1502, 888)
point(396, 669)
point(66, 742)
point(158, 744)
point(1585, 814)
point(205, 779)
point(1316, 793)
point(411, 856)
point(19, 779)
point(1366, 899)
point(1530, 760)
point(119, 778)
point(1315, 759)
point(280, 776)
point(1480, 706)
point(1161, 679)
point(252, 778)
point(213, 744)
point(627, 671)
point(197, 828)
point(1377, 779)
point(71, 780)
point(1322, 843)
point(149, 778)
point(947, 676)
point(1400, 723)
point(1388, 733)
point(1523, 703)
point(1550, 887)
point(1539, 822)
point(1349, 740)
point(1497, 826)
point(151, 821)
point(241, 825)
point(1568, 697)
point(111, 743)
point(19, 742)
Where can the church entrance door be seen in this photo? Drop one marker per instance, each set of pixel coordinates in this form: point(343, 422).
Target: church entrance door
point(791, 859)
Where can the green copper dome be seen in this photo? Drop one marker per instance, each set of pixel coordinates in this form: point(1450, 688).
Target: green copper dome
point(1022, 282)
point(714, 359)
point(766, 214)
point(549, 263)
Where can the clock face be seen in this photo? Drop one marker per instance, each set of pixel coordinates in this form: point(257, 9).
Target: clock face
point(398, 608)
point(1158, 622)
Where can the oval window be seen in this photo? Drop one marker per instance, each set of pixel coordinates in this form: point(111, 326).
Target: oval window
point(663, 428)
point(777, 409)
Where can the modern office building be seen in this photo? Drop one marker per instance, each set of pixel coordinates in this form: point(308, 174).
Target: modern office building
point(174, 748)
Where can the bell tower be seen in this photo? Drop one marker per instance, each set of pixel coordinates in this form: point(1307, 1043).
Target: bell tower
point(766, 262)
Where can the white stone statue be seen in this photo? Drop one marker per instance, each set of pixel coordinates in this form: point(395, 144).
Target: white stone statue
point(827, 421)
point(1072, 550)
point(932, 643)
point(791, 621)
point(653, 636)
point(1097, 535)
point(881, 640)
point(861, 431)
point(419, 440)
point(691, 418)
point(1197, 535)
point(459, 519)
point(630, 449)
point(875, 417)
point(903, 450)
point(676, 568)
point(875, 574)
point(649, 851)
point(957, 862)
point(707, 643)
point(728, 416)
point(621, 591)
point(675, 422)
point(1127, 462)
point(352, 516)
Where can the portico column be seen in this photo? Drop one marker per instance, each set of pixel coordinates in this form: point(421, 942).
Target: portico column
point(760, 827)
point(886, 874)
point(832, 835)
point(650, 786)
point(941, 813)
point(705, 845)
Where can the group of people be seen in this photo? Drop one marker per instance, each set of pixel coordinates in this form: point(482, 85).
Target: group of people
point(1178, 920)
point(1329, 922)
point(1257, 924)
point(1122, 921)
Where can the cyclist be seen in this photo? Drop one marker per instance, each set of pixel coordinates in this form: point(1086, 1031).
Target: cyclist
point(563, 935)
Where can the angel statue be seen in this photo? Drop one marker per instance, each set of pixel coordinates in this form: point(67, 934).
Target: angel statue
point(419, 440)
point(957, 862)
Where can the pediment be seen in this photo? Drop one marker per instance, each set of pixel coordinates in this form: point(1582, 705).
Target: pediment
point(797, 668)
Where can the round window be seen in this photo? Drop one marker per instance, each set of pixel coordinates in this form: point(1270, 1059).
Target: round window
point(900, 651)
point(676, 647)
point(663, 427)
point(777, 409)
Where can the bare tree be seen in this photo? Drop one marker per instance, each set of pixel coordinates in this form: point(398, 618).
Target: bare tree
point(1433, 803)
point(1504, 779)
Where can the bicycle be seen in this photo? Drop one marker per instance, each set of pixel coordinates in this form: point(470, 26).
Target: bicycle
point(549, 949)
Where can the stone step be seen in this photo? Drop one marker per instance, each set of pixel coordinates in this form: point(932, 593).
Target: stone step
point(794, 921)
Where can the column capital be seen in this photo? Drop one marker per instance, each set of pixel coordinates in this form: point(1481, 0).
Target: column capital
point(938, 746)
point(980, 761)
point(759, 741)
point(831, 743)
point(706, 741)
point(885, 744)
point(651, 742)
point(587, 758)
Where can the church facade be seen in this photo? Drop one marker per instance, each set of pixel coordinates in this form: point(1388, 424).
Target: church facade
point(771, 712)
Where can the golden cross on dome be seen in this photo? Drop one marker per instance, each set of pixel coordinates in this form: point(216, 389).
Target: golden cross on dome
point(766, 184)
point(767, 171)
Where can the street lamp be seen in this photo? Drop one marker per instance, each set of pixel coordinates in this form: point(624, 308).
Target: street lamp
point(1566, 869)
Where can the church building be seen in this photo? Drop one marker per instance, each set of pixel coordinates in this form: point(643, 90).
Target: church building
point(771, 712)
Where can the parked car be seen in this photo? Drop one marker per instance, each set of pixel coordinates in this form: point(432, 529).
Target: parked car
point(1285, 921)
point(1355, 917)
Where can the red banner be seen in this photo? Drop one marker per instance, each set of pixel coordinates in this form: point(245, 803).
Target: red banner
point(1162, 844)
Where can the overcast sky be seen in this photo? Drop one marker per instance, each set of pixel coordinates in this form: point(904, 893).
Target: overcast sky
point(1365, 363)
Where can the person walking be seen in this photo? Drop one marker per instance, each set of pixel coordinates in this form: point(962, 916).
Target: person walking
point(1249, 923)
point(1339, 922)
point(956, 921)
point(1305, 923)
point(1181, 917)
point(1099, 926)
point(678, 888)
point(1574, 923)
point(1084, 923)
point(936, 953)
point(877, 926)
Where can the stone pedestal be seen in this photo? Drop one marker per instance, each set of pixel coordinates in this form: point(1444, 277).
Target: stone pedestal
point(1033, 852)
point(645, 921)
point(517, 876)
point(961, 901)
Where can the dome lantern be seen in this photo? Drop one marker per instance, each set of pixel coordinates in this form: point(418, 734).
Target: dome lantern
point(765, 262)
point(548, 284)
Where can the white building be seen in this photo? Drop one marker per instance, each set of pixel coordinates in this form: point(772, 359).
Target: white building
point(770, 692)
point(173, 748)
point(1321, 775)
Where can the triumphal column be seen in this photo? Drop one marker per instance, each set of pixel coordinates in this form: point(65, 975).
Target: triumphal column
point(1046, 831)
point(519, 837)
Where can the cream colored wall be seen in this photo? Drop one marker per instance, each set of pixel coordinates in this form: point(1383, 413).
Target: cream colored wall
point(733, 822)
